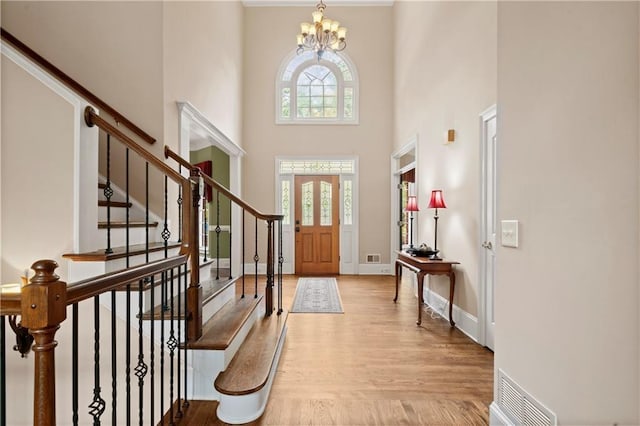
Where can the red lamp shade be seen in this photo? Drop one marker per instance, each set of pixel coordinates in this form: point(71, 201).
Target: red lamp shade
point(437, 201)
point(412, 204)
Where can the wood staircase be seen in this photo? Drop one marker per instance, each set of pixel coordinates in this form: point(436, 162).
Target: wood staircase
point(233, 363)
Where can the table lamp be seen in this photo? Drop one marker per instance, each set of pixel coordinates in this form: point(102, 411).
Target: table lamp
point(412, 206)
point(436, 202)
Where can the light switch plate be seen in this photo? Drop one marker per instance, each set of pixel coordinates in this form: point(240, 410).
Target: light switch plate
point(509, 233)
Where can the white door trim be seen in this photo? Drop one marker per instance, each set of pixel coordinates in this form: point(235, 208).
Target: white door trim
point(197, 132)
point(485, 117)
point(396, 170)
point(349, 236)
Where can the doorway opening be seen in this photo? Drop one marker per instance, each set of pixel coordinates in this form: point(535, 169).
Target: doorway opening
point(345, 195)
point(404, 164)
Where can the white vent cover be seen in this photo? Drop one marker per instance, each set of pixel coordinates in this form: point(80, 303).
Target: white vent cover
point(521, 407)
point(373, 258)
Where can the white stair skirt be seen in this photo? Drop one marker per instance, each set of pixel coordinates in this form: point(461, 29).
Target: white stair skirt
point(238, 409)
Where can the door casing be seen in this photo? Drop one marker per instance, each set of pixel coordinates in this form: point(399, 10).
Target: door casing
point(349, 233)
point(487, 285)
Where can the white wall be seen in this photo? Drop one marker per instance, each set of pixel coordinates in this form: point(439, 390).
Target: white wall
point(37, 173)
point(370, 140)
point(203, 64)
point(445, 76)
point(567, 299)
point(114, 49)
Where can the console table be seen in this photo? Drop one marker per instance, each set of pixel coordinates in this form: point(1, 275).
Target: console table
point(424, 266)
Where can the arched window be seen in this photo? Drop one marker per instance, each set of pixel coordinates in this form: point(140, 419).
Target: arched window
point(315, 91)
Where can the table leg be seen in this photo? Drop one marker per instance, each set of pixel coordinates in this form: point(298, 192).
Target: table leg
point(452, 288)
point(420, 276)
point(398, 277)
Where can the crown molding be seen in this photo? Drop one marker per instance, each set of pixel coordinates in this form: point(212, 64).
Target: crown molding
point(307, 3)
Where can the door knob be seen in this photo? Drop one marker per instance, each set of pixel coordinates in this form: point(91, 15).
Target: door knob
point(297, 229)
point(487, 245)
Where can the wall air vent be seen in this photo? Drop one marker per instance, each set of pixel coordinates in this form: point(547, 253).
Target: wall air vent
point(521, 407)
point(373, 258)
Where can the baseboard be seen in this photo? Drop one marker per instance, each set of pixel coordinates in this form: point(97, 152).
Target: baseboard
point(363, 269)
point(497, 417)
point(465, 322)
point(374, 269)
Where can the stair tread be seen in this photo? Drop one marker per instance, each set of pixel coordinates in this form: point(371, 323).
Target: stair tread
point(196, 413)
point(220, 330)
point(123, 224)
point(249, 370)
point(210, 289)
point(105, 203)
point(119, 252)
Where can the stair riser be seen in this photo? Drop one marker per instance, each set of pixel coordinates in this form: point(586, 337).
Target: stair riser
point(118, 214)
point(217, 302)
point(136, 236)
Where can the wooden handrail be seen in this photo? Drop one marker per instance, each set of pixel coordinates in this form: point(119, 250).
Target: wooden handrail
point(168, 153)
point(86, 289)
point(91, 118)
point(74, 85)
point(10, 304)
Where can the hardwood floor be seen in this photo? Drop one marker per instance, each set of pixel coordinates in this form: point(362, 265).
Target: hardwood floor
point(373, 366)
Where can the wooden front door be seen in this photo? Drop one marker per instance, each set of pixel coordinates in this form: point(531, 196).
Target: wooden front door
point(317, 225)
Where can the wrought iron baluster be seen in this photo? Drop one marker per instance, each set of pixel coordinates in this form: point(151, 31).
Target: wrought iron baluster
point(280, 262)
point(244, 236)
point(256, 258)
point(128, 295)
point(183, 322)
point(166, 234)
point(179, 201)
point(146, 212)
point(141, 367)
point(218, 229)
point(152, 353)
point(97, 406)
point(186, 338)
point(74, 365)
point(108, 193)
point(114, 345)
point(163, 290)
point(230, 240)
point(128, 353)
point(3, 373)
point(205, 225)
point(172, 344)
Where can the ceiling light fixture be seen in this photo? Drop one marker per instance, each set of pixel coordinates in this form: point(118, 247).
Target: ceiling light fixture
point(322, 35)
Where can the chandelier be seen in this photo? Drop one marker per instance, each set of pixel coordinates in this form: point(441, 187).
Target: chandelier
point(322, 35)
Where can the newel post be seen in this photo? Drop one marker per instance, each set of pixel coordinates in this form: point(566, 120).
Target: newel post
point(194, 292)
point(44, 307)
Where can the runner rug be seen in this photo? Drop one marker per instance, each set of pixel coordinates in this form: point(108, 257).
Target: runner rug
point(318, 295)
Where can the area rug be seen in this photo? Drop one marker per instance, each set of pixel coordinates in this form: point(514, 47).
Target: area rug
point(317, 295)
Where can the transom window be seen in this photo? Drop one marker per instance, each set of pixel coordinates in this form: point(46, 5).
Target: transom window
point(316, 91)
